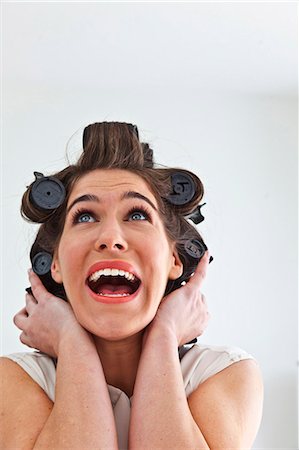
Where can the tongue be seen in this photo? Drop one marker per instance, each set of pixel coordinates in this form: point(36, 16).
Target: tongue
point(112, 289)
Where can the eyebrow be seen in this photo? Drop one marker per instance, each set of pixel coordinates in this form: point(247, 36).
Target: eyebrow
point(126, 195)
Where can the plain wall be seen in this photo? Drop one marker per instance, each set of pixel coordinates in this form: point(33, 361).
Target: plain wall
point(213, 88)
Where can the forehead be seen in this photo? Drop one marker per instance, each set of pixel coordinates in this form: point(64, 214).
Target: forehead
point(111, 182)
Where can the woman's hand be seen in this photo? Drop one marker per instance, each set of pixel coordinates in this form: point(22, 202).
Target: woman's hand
point(184, 311)
point(46, 319)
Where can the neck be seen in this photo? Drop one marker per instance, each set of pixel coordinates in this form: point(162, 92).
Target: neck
point(120, 361)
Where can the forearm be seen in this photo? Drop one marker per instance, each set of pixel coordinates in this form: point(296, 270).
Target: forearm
point(82, 415)
point(160, 416)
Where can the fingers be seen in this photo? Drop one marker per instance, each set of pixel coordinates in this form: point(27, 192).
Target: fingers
point(25, 339)
point(30, 303)
point(20, 319)
point(200, 271)
point(38, 289)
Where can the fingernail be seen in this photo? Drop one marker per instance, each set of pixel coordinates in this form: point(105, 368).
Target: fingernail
point(29, 271)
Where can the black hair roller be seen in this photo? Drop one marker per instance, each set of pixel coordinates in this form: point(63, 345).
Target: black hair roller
point(47, 193)
point(148, 155)
point(196, 250)
point(196, 215)
point(183, 189)
point(133, 129)
point(41, 265)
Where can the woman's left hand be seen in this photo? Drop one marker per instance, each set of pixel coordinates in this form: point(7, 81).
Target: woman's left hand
point(46, 320)
point(184, 311)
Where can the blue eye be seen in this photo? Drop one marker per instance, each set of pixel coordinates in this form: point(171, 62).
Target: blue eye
point(83, 217)
point(138, 214)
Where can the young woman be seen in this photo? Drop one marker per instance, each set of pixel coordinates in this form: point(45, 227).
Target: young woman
point(113, 310)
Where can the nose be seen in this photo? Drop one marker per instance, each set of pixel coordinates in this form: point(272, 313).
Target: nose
point(110, 238)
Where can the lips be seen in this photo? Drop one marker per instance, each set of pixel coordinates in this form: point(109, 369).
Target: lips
point(113, 281)
point(109, 264)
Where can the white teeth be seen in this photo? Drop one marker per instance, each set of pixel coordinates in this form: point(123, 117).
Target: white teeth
point(111, 272)
point(114, 295)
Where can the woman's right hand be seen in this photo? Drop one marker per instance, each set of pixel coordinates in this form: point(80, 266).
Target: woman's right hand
point(184, 311)
point(46, 320)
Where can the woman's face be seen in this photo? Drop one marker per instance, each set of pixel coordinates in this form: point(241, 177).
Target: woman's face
point(112, 222)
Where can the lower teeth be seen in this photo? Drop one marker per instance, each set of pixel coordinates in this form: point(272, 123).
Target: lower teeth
point(114, 295)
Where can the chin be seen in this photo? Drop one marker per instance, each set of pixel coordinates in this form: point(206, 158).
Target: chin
point(114, 332)
point(115, 337)
point(114, 328)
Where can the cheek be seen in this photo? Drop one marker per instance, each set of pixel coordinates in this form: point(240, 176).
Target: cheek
point(70, 252)
point(158, 260)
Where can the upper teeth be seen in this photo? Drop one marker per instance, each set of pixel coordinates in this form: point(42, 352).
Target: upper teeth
point(111, 272)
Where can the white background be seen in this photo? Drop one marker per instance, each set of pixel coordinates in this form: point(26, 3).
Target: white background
point(213, 88)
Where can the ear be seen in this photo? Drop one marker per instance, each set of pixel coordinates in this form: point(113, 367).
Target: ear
point(176, 268)
point(55, 270)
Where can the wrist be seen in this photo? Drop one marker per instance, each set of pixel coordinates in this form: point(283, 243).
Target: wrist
point(162, 332)
point(78, 341)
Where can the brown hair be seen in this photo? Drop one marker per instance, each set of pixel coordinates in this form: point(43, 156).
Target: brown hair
point(114, 145)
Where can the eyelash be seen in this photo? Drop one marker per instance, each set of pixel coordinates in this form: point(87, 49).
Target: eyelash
point(134, 209)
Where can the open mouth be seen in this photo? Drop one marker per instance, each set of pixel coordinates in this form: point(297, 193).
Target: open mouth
point(113, 283)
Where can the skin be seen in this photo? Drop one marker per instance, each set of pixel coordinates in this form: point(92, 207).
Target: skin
point(109, 234)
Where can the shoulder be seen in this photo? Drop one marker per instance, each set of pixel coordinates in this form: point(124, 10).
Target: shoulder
point(202, 361)
point(20, 369)
point(232, 396)
point(23, 399)
point(39, 366)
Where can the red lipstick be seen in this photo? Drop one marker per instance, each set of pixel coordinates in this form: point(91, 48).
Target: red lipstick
point(109, 264)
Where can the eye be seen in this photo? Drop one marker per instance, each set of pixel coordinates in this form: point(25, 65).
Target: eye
point(83, 217)
point(137, 214)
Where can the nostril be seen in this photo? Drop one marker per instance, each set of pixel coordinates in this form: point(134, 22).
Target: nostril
point(119, 246)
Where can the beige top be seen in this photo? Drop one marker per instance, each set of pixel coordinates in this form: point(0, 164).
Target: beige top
point(198, 363)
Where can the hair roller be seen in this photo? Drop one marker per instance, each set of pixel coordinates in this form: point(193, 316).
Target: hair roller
point(41, 260)
point(30, 211)
point(148, 155)
point(110, 145)
point(41, 263)
point(47, 192)
point(185, 191)
point(133, 129)
point(42, 197)
point(190, 252)
point(196, 215)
